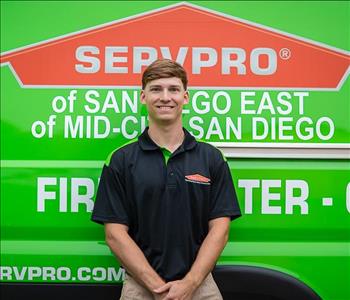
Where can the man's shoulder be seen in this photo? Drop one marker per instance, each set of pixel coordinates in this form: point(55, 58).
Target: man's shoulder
point(210, 150)
point(119, 153)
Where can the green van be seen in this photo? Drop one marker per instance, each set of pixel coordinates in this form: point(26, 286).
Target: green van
point(269, 87)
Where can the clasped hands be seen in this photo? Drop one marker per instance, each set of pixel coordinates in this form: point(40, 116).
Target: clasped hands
point(175, 290)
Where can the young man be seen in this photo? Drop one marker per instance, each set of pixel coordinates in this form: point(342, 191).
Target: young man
point(165, 199)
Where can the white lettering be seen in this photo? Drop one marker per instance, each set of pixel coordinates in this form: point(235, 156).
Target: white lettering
point(90, 98)
point(282, 128)
point(111, 59)
point(42, 194)
point(266, 104)
point(42, 129)
point(99, 274)
point(19, 275)
point(132, 103)
point(267, 197)
point(281, 99)
point(248, 185)
point(214, 129)
point(124, 132)
point(83, 274)
point(139, 61)
point(265, 132)
point(255, 58)
point(5, 273)
point(205, 104)
point(301, 96)
point(72, 129)
point(245, 102)
point(113, 276)
point(34, 272)
point(181, 55)
point(237, 63)
point(330, 124)
point(308, 130)
point(221, 95)
point(110, 102)
point(82, 198)
point(198, 63)
point(262, 61)
point(63, 194)
point(100, 123)
point(194, 124)
point(81, 56)
point(291, 200)
point(49, 273)
point(63, 273)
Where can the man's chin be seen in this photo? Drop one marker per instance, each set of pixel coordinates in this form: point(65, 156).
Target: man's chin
point(166, 119)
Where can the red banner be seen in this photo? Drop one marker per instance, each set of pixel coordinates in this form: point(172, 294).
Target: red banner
point(217, 50)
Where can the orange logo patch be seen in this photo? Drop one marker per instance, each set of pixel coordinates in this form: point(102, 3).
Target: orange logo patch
point(197, 178)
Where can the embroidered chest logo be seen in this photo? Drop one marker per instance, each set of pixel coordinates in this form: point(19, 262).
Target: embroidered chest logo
point(197, 178)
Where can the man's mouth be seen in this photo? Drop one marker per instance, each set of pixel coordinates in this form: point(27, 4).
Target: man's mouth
point(165, 107)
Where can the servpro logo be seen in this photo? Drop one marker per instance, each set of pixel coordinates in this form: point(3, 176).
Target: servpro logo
point(197, 178)
point(232, 61)
point(219, 51)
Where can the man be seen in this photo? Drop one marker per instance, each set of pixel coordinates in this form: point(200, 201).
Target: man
point(165, 199)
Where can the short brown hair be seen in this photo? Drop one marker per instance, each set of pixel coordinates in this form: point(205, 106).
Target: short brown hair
point(164, 68)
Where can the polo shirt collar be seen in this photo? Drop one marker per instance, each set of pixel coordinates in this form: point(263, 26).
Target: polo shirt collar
point(146, 143)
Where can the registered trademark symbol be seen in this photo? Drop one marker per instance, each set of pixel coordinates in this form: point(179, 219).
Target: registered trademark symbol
point(285, 53)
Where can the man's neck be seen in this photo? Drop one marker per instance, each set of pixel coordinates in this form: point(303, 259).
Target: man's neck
point(169, 136)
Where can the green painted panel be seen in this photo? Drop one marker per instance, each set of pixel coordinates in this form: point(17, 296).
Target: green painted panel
point(296, 212)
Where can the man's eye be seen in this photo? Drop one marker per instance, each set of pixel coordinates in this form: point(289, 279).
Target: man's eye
point(155, 89)
point(174, 90)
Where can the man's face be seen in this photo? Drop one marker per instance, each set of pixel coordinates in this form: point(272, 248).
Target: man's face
point(164, 99)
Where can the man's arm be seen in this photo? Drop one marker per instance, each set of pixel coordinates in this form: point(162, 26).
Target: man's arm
point(208, 254)
point(210, 250)
point(131, 256)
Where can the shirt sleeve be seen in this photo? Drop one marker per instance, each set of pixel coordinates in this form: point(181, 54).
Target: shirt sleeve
point(223, 198)
point(110, 204)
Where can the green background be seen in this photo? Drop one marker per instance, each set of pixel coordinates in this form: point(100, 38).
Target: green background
point(314, 248)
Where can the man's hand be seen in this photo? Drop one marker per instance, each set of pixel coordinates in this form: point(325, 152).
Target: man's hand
point(177, 290)
point(159, 296)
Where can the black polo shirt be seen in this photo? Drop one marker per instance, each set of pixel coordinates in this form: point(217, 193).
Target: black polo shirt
point(166, 205)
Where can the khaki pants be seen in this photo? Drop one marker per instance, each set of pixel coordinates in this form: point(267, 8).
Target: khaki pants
point(132, 290)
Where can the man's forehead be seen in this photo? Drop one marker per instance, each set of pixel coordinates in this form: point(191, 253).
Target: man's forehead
point(172, 81)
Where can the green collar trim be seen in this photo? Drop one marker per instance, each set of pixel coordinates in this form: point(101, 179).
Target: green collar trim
point(166, 154)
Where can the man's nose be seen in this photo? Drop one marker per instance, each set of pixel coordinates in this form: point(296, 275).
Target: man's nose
point(165, 95)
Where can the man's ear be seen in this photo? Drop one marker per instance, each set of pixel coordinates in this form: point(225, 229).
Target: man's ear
point(142, 97)
point(186, 97)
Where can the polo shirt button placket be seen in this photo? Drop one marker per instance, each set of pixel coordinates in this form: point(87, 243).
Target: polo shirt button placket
point(171, 181)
